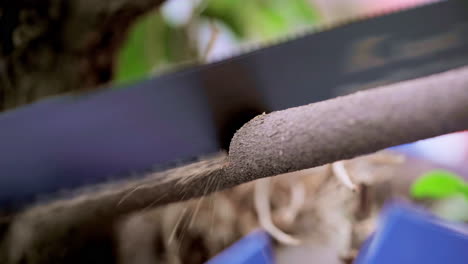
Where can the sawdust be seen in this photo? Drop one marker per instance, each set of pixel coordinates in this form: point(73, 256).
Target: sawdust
point(327, 217)
point(35, 235)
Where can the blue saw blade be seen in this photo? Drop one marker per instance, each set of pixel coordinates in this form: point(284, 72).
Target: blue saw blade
point(67, 142)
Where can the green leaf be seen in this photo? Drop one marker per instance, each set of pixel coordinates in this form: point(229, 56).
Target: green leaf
point(272, 22)
point(306, 11)
point(223, 6)
point(438, 184)
point(297, 12)
point(152, 45)
point(138, 55)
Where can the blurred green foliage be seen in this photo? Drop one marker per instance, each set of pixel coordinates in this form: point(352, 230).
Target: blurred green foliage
point(438, 184)
point(154, 45)
point(151, 45)
point(262, 19)
point(448, 191)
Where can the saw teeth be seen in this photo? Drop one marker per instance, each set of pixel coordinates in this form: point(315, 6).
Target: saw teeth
point(250, 47)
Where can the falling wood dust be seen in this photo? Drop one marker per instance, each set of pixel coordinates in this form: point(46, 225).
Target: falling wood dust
point(310, 214)
point(316, 214)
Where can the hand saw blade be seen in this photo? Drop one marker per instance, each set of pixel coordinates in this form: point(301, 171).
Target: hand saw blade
point(71, 141)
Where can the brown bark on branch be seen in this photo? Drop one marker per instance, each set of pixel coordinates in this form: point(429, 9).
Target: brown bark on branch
point(271, 144)
point(51, 47)
point(344, 127)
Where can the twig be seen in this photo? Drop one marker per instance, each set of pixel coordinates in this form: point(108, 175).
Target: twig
point(262, 207)
point(211, 42)
point(296, 203)
point(342, 175)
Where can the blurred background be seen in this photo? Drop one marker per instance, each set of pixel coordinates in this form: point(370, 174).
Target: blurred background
point(196, 31)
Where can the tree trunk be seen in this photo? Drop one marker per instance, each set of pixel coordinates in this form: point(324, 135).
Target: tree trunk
point(50, 47)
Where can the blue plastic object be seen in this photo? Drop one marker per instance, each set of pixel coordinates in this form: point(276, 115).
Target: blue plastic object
point(408, 235)
point(254, 248)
